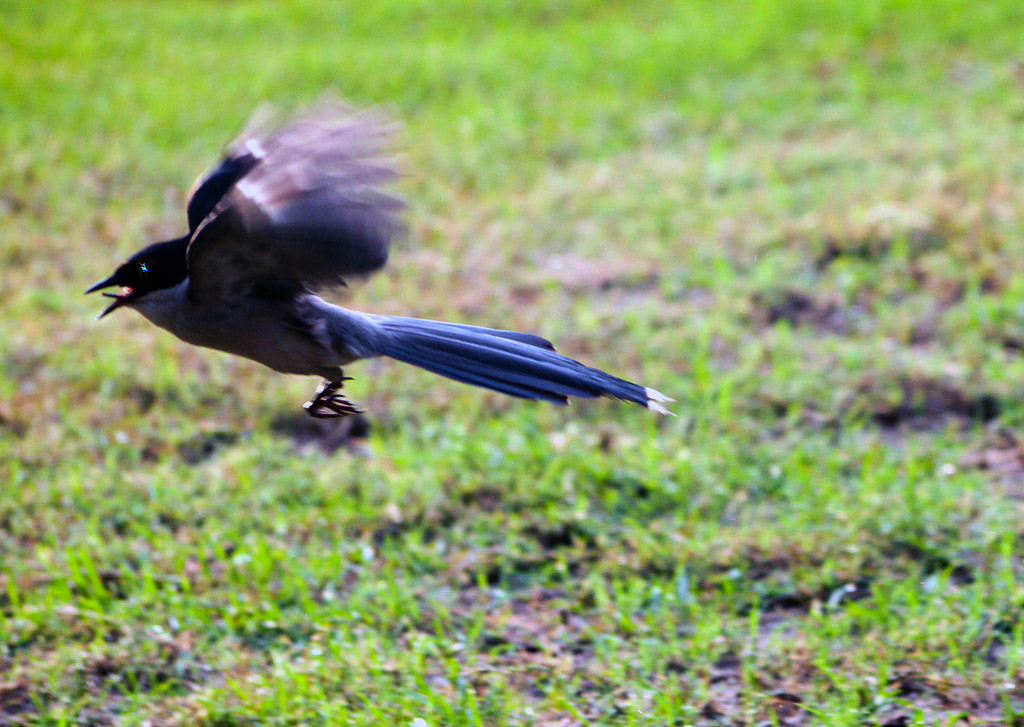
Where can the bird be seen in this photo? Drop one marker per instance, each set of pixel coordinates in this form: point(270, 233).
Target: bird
point(302, 205)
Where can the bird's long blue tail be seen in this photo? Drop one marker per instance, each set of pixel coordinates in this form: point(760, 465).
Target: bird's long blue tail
point(517, 364)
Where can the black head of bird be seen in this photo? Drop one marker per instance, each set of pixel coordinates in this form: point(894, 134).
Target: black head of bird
point(159, 266)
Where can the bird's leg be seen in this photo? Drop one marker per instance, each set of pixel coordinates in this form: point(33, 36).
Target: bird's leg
point(328, 403)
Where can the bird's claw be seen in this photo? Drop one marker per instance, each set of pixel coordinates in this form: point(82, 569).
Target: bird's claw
point(328, 403)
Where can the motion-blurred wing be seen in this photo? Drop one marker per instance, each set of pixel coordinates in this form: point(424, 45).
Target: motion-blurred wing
point(240, 158)
point(300, 207)
point(211, 189)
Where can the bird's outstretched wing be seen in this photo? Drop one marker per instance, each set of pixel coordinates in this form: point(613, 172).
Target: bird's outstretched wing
point(300, 206)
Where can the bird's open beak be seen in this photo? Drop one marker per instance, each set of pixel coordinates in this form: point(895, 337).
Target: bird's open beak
point(120, 299)
point(105, 283)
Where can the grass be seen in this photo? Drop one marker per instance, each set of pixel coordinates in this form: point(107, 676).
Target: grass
point(801, 220)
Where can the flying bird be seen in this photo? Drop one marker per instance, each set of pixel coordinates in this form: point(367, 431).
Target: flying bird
point(299, 207)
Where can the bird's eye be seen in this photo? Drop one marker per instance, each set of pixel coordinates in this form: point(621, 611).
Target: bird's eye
point(143, 267)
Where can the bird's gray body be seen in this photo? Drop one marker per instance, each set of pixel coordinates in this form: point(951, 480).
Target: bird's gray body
point(306, 335)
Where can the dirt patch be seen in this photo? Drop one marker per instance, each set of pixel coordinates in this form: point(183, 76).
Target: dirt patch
point(582, 275)
point(942, 700)
point(961, 573)
point(529, 638)
point(9, 423)
point(882, 228)
point(611, 280)
point(922, 403)
point(1012, 343)
point(23, 364)
point(204, 446)
point(325, 435)
point(142, 397)
point(15, 699)
point(831, 595)
point(800, 309)
point(486, 498)
point(1002, 455)
point(560, 535)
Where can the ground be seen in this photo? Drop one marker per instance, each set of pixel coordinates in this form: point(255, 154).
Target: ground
point(801, 220)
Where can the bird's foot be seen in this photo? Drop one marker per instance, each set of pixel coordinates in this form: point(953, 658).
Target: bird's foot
point(328, 403)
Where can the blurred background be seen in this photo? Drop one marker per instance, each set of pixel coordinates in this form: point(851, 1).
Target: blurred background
point(802, 220)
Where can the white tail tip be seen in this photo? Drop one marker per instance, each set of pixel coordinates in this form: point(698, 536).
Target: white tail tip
point(654, 399)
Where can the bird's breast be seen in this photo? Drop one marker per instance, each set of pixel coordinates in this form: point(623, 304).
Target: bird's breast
point(254, 328)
